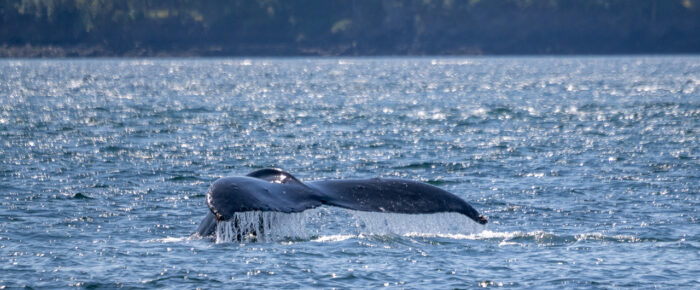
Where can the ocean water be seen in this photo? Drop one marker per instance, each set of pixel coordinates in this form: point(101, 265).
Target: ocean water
point(587, 168)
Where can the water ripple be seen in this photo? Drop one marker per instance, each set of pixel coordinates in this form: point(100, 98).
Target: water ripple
point(587, 168)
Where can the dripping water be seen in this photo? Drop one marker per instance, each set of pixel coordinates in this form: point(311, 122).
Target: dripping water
point(259, 226)
point(444, 223)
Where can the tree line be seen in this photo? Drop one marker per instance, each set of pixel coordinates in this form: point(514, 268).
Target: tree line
point(346, 27)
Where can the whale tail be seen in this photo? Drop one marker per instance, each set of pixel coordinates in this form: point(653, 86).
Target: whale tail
point(278, 191)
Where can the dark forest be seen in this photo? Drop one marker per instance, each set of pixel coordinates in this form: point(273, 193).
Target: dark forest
point(58, 28)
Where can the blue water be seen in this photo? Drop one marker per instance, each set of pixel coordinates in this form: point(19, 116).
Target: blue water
point(588, 169)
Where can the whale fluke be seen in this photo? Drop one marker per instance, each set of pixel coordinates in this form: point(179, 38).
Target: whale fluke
point(275, 190)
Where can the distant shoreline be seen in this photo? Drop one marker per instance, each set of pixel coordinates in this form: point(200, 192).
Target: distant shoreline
point(96, 51)
point(226, 28)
